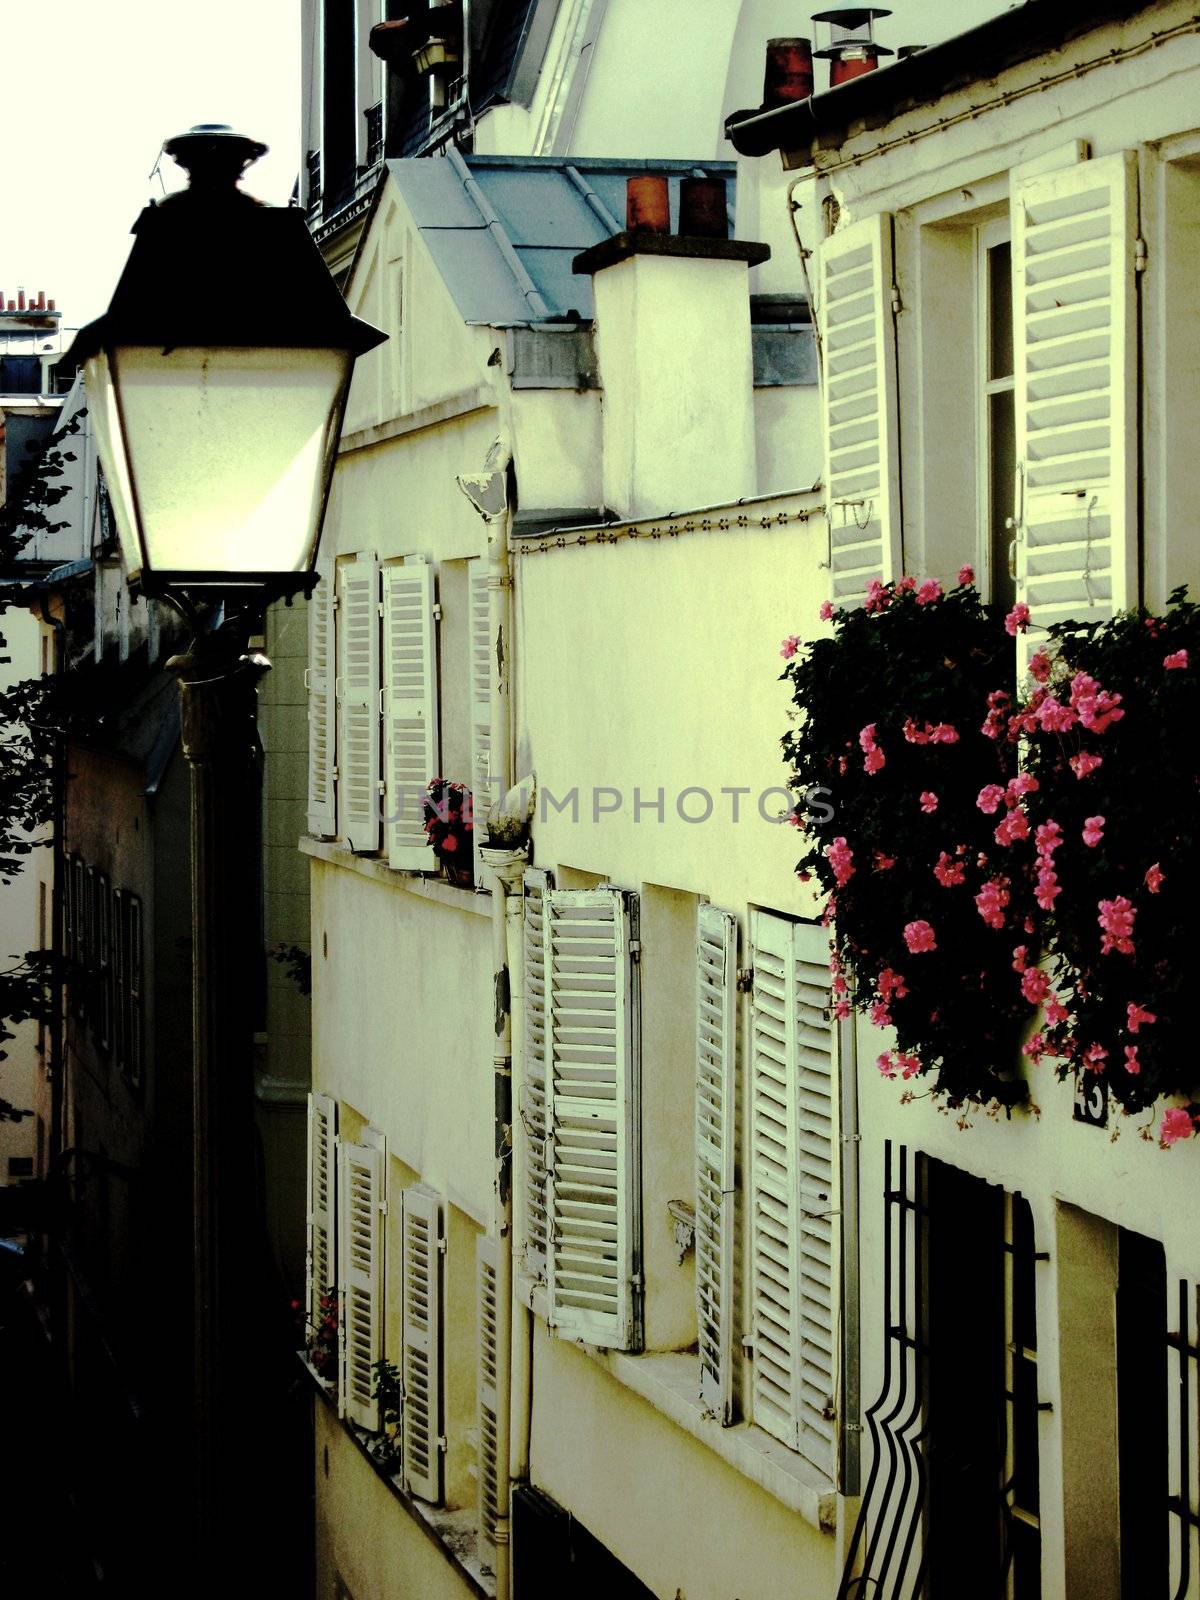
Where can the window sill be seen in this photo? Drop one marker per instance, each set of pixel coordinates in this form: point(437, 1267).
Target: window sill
point(477, 901)
point(670, 1383)
point(452, 1531)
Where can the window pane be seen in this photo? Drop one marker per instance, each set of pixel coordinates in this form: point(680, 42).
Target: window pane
point(1002, 471)
point(1000, 312)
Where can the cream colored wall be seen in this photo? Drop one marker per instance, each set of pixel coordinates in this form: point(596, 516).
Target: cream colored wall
point(364, 1536)
point(399, 1026)
point(676, 1514)
point(556, 447)
point(653, 663)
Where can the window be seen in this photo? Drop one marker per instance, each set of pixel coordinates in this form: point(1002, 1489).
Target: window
point(380, 726)
point(996, 562)
point(346, 1245)
point(20, 1168)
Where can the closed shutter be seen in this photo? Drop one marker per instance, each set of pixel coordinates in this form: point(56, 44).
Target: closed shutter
point(410, 711)
point(716, 1154)
point(592, 1117)
point(493, 1474)
point(360, 1272)
point(322, 712)
point(322, 1168)
point(358, 696)
point(533, 1106)
point(859, 407)
point(1074, 237)
point(488, 781)
point(120, 982)
point(105, 1008)
point(422, 1355)
point(795, 1260)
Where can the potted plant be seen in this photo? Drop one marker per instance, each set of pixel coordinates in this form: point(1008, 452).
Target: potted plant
point(449, 827)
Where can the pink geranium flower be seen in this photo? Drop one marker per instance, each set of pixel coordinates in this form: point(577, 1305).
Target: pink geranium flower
point(892, 985)
point(866, 737)
point(1048, 887)
point(1155, 878)
point(1020, 958)
point(1094, 1057)
point(966, 574)
point(1093, 831)
point(948, 872)
point(1048, 837)
point(789, 647)
point(1137, 1016)
point(919, 937)
point(1056, 1012)
point(943, 733)
point(1039, 666)
point(841, 859)
point(880, 1015)
point(1035, 985)
point(874, 760)
point(929, 591)
point(1014, 826)
point(991, 901)
point(1177, 1123)
point(990, 799)
point(884, 863)
point(1177, 659)
point(1116, 920)
point(877, 596)
point(1017, 619)
point(826, 611)
point(1132, 1064)
point(929, 801)
point(1085, 763)
point(1054, 717)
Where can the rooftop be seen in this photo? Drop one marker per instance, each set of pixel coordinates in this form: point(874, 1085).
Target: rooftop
point(504, 230)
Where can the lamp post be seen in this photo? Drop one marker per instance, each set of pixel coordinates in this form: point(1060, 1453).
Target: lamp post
point(217, 382)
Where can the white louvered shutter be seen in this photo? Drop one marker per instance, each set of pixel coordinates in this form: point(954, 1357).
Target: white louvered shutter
point(322, 1208)
point(360, 1279)
point(859, 407)
point(358, 702)
point(593, 1117)
point(795, 1257)
point(488, 779)
point(422, 1355)
point(716, 1153)
point(533, 1108)
point(322, 712)
point(493, 1474)
point(1074, 234)
point(410, 711)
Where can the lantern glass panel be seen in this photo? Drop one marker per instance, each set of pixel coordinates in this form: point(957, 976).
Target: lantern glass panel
point(220, 457)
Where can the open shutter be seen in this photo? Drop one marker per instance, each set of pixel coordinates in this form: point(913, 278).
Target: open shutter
point(120, 982)
point(322, 772)
point(358, 685)
point(487, 766)
point(360, 1271)
point(1075, 353)
point(794, 1204)
point(422, 1356)
point(716, 1154)
point(533, 1107)
point(859, 407)
point(493, 1474)
point(322, 1168)
point(410, 711)
point(592, 1117)
point(137, 1011)
point(105, 1003)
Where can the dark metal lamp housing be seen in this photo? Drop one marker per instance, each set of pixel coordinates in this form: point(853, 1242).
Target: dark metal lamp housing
point(217, 382)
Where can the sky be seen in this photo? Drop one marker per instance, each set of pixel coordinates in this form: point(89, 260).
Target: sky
point(87, 101)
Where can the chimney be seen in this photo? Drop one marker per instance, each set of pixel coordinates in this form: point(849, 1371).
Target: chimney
point(789, 72)
point(851, 48)
point(20, 299)
point(673, 344)
point(50, 305)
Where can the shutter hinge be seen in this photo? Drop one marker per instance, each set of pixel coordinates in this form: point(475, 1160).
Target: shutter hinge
point(748, 1345)
point(441, 1247)
point(852, 1427)
point(379, 608)
point(335, 602)
point(437, 611)
point(1141, 259)
point(745, 980)
point(635, 949)
point(383, 1208)
point(635, 1280)
point(897, 303)
point(334, 774)
point(442, 1444)
point(381, 786)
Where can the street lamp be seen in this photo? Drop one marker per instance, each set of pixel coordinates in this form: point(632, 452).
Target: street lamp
point(217, 383)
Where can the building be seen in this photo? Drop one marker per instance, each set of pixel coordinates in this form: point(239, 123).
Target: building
point(641, 425)
point(1007, 252)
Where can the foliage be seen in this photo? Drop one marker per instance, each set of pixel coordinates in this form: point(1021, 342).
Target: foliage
point(448, 823)
point(297, 962)
point(387, 1391)
point(897, 731)
point(34, 490)
point(1110, 730)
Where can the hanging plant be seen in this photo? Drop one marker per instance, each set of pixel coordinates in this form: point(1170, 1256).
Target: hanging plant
point(899, 731)
point(448, 827)
point(1110, 726)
